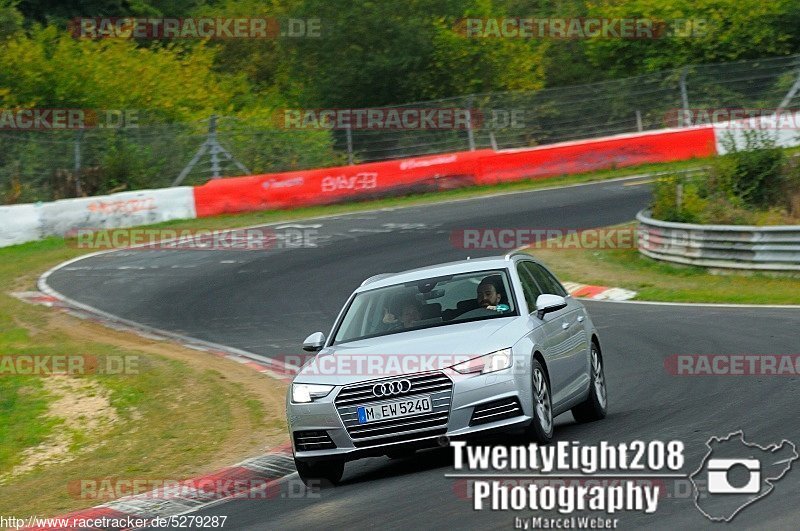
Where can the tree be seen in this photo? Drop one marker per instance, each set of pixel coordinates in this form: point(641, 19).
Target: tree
point(164, 82)
point(378, 53)
point(698, 31)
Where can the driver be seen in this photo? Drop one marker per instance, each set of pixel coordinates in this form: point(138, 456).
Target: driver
point(490, 292)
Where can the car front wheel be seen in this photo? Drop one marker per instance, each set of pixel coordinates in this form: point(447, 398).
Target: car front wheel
point(541, 426)
point(595, 406)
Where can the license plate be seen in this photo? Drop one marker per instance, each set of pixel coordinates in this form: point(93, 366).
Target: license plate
point(396, 409)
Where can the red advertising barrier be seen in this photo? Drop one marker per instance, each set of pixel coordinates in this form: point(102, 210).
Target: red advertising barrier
point(329, 185)
point(598, 154)
point(448, 170)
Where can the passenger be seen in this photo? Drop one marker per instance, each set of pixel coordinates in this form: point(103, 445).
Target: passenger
point(409, 311)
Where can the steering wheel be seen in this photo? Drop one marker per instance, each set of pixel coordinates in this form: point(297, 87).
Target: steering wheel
point(477, 312)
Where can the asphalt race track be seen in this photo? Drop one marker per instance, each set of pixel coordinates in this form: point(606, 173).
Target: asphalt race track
point(266, 302)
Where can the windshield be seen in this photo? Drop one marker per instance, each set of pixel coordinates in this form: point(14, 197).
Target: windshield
point(436, 301)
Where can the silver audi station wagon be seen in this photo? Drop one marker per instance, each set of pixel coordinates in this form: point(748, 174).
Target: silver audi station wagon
point(446, 351)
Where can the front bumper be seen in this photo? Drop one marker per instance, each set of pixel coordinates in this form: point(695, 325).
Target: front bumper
point(463, 406)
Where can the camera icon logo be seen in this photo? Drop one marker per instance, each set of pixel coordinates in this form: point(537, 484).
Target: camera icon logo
point(735, 474)
point(719, 483)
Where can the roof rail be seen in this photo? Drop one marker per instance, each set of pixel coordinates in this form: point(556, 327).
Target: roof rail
point(512, 254)
point(375, 278)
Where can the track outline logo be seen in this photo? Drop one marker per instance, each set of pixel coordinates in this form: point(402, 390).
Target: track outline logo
point(719, 464)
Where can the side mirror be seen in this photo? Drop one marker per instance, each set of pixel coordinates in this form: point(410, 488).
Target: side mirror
point(314, 342)
point(547, 303)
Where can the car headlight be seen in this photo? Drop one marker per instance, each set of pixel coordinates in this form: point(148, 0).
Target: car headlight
point(305, 393)
point(496, 361)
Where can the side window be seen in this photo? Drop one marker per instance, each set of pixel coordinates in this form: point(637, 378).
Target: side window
point(545, 280)
point(529, 287)
point(559, 289)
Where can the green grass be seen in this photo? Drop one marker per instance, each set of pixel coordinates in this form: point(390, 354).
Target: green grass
point(22, 400)
point(173, 418)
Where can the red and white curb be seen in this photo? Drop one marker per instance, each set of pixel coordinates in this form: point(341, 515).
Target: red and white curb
point(258, 478)
point(600, 293)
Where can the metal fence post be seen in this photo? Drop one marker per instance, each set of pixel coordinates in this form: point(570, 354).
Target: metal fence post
point(789, 95)
point(214, 148)
point(639, 121)
point(470, 132)
point(77, 163)
point(493, 140)
point(685, 96)
point(349, 132)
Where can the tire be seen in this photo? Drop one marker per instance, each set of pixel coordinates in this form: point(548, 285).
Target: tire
point(541, 426)
point(320, 473)
point(596, 404)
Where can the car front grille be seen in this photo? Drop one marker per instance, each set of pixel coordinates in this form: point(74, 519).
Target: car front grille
point(436, 384)
point(308, 440)
point(505, 408)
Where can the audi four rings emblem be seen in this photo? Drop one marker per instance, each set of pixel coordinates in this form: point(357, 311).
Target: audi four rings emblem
point(395, 387)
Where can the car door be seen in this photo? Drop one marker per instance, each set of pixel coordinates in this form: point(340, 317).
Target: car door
point(574, 346)
point(556, 337)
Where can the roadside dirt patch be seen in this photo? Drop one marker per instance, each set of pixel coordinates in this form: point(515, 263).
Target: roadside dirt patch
point(83, 409)
point(246, 439)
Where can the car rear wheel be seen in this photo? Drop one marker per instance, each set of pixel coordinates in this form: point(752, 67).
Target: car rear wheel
point(320, 473)
point(541, 426)
point(595, 406)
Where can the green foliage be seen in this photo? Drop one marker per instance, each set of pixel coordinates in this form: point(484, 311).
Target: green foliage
point(47, 68)
point(370, 53)
point(462, 65)
point(59, 11)
point(171, 88)
point(676, 198)
point(754, 184)
point(751, 173)
point(11, 19)
point(728, 30)
point(378, 53)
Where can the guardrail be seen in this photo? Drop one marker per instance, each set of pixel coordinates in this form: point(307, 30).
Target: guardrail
point(769, 248)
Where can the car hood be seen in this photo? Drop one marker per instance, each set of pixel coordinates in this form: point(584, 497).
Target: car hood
point(408, 352)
